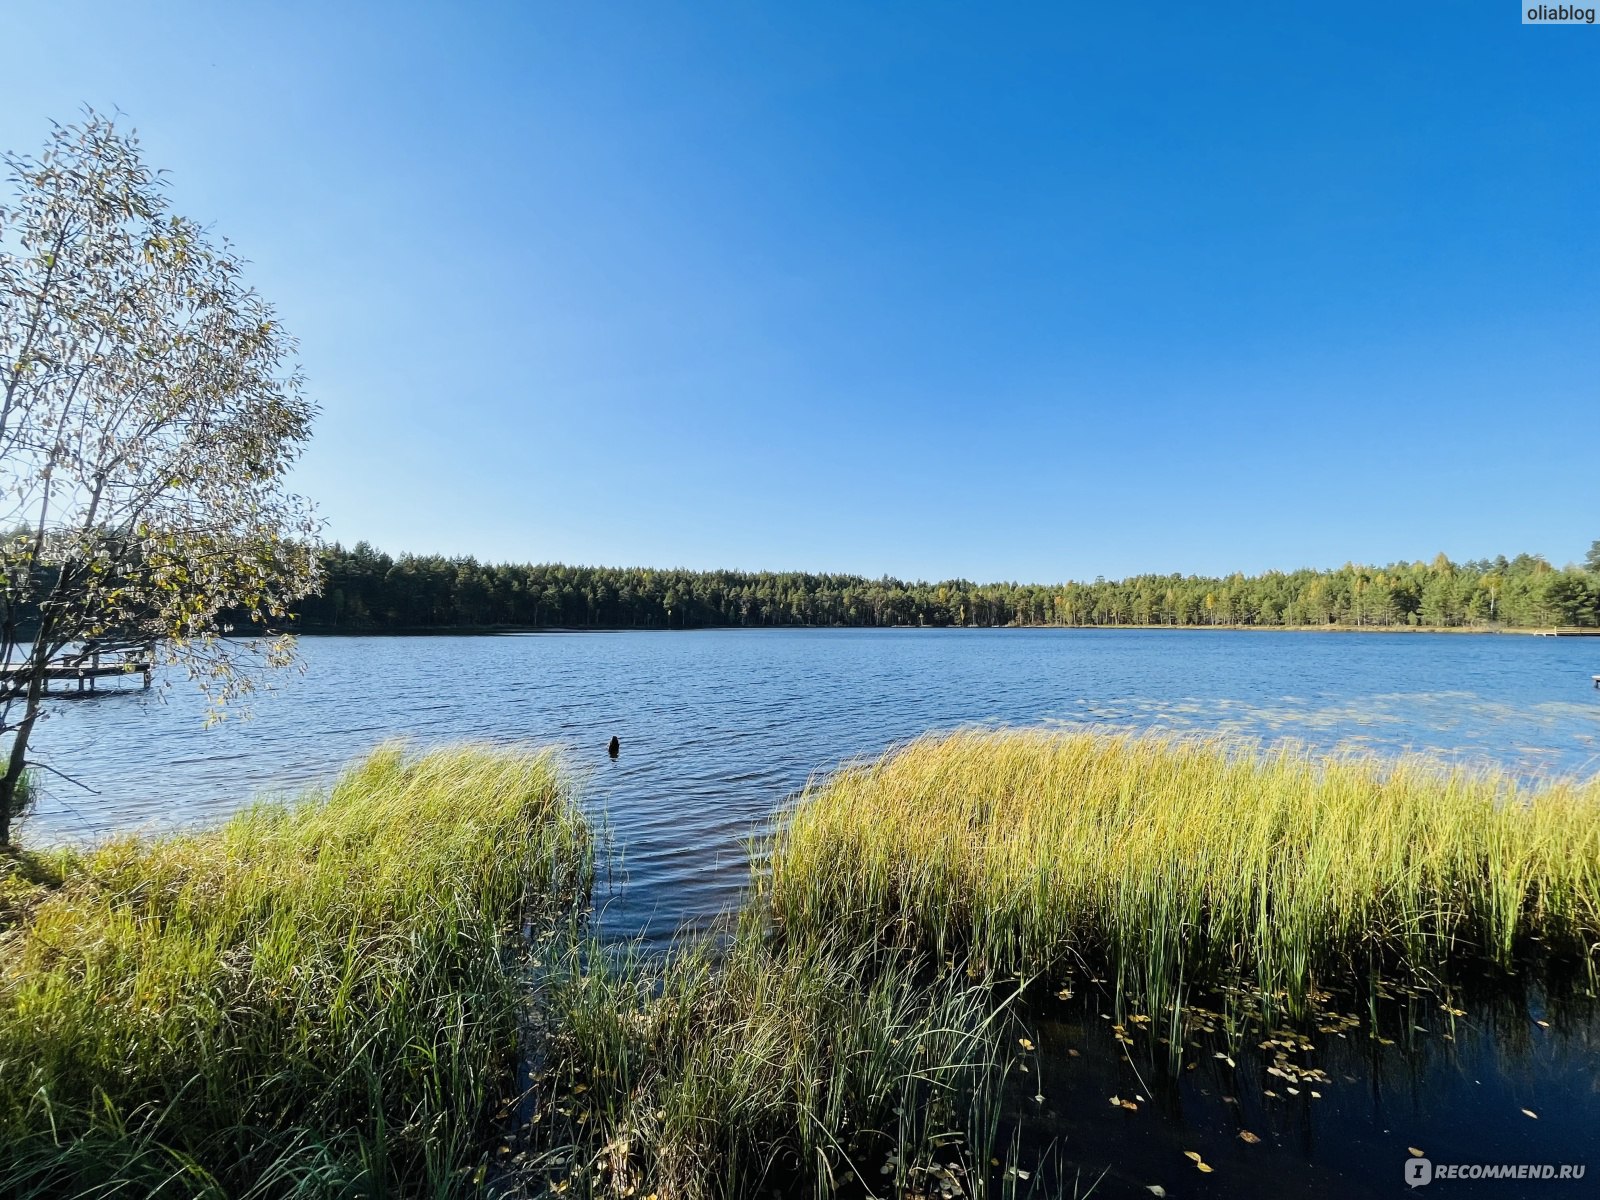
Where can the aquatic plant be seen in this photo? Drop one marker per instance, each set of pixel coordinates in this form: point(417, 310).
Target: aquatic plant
point(319, 996)
point(1167, 861)
point(802, 1067)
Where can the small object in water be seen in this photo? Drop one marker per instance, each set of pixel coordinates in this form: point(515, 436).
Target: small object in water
point(615, 748)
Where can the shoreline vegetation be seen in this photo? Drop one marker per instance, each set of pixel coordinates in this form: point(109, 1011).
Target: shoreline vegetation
point(318, 997)
point(390, 990)
point(367, 591)
point(499, 630)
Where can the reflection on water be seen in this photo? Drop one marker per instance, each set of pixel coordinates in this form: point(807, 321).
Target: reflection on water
point(717, 727)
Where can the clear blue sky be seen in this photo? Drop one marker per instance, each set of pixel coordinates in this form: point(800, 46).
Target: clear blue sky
point(1008, 292)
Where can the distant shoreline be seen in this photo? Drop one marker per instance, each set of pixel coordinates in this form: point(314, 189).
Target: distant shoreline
point(522, 630)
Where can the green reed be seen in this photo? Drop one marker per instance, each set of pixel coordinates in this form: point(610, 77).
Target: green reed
point(740, 1068)
point(1169, 860)
point(318, 997)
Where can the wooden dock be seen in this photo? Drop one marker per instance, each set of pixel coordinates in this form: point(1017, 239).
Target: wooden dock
point(1597, 681)
point(1567, 631)
point(85, 673)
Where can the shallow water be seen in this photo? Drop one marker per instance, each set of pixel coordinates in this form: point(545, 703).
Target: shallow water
point(718, 727)
point(1508, 1078)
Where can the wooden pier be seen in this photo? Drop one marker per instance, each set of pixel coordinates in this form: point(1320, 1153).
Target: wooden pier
point(85, 673)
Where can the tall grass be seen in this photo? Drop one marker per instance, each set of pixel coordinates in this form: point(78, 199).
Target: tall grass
point(814, 1067)
point(316, 998)
point(1170, 861)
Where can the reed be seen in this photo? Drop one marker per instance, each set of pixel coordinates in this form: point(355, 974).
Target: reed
point(1172, 861)
point(754, 1068)
point(317, 997)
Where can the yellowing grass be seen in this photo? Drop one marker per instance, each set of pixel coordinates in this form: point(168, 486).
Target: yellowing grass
point(1166, 860)
point(314, 996)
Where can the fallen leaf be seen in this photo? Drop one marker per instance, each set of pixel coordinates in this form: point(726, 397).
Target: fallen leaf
point(1073, 1054)
point(1155, 1189)
point(1542, 1024)
point(1116, 1102)
point(1415, 1153)
point(1192, 1155)
point(1025, 1043)
point(1248, 1138)
point(1528, 1112)
point(1206, 1167)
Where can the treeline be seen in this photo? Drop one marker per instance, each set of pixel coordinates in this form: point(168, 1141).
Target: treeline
point(366, 590)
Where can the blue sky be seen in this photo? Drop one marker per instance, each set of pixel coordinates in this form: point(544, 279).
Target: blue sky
point(1020, 292)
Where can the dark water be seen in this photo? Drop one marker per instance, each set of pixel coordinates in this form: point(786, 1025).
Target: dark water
point(718, 728)
point(1332, 1109)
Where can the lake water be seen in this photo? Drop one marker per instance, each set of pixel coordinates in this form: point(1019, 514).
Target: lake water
point(719, 727)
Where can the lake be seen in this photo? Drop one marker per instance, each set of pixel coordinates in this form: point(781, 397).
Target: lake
point(719, 728)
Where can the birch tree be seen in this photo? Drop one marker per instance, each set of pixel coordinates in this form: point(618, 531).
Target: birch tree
point(151, 410)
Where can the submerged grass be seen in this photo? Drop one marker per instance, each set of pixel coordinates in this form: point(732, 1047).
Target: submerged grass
point(315, 998)
point(1173, 861)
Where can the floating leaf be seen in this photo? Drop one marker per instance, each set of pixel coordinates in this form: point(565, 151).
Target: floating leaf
point(1064, 994)
point(1192, 1155)
point(1116, 1102)
point(1528, 1112)
point(1415, 1153)
point(1248, 1138)
point(1130, 1106)
point(1542, 1024)
point(1155, 1189)
point(1206, 1167)
point(1025, 1043)
point(1073, 1054)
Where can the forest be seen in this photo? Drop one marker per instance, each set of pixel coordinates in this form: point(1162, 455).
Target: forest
point(366, 590)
